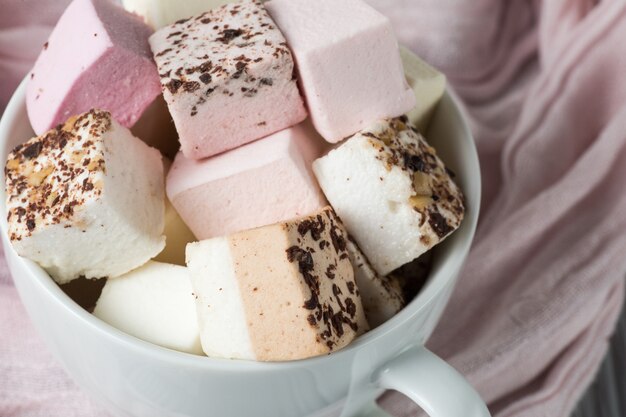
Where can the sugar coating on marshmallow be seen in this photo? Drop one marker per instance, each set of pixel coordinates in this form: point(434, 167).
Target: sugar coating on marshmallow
point(227, 77)
point(96, 57)
point(381, 296)
point(279, 292)
point(159, 13)
point(348, 63)
point(428, 85)
point(154, 303)
point(392, 192)
point(261, 183)
point(86, 199)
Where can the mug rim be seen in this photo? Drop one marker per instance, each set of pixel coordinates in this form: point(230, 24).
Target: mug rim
point(433, 287)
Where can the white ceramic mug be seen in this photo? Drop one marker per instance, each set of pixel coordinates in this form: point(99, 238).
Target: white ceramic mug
point(134, 378)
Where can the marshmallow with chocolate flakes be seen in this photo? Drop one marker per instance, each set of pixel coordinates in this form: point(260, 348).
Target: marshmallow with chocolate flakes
point(96, 57)
point(279, 292)
point(154, 303)
point(227, 77)
point(392, 192)
point(348, 63)
point(86, 199)
point(261, 183)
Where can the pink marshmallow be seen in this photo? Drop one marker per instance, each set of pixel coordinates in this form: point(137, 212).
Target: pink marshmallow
point(96, 57)
point(227, 77)
point(348, 63)
point(261, 183)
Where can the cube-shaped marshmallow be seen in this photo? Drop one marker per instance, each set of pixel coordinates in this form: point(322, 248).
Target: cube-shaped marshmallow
point(159, 13)
point(348, 63)
point(227, 77)
point(154, 303)
point(428, 85)
point(96, 57)
point(86, 199)
point(392, 192)
point(279, 292)
point(382, 296)
point(261, 183)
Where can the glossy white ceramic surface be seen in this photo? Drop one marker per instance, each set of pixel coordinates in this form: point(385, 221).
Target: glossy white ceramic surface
point(134, 378)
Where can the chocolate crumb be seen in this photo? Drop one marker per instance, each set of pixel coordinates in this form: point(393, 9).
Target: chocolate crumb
point(30, 224)
point(229, 34)
point(32, 151)
point(191, 86)
point(163, 52)
point(439, 224)
point(174, 85)
point(350, 307)
point(205, 78)
point(45, 46)
point(414, 162)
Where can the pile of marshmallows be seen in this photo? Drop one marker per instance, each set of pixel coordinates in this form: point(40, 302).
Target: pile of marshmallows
point(277, 273)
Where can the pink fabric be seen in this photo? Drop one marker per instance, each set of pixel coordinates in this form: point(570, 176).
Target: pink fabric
point(529, 322)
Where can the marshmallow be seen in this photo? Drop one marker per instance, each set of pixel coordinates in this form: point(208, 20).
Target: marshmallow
point(159, 13)
point(257, 184)
point(428, 85)
point(381, 296)
point(279, 292)
point(227, 78)
point(154, 303)
point(96, 57)
point(348, 63)
point(86, 199)
point(392, 192)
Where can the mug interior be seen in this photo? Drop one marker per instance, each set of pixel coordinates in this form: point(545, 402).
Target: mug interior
point(448, 133)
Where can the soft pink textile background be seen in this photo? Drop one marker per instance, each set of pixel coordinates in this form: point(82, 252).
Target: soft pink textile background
point(544, 88)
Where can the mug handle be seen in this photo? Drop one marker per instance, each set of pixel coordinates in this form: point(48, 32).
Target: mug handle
point(434, 385)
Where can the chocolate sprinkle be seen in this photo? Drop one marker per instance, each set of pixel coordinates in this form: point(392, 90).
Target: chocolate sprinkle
point(174, 85)
point(32, 151)
point(205, 78)
point(229, 34)
point(439, 224)
point(414, 162)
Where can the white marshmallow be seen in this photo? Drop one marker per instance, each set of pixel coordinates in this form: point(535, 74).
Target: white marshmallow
point(154, 303)
point(428, 85)
point(86, 199)
point(381, 295)
point(392, 193)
